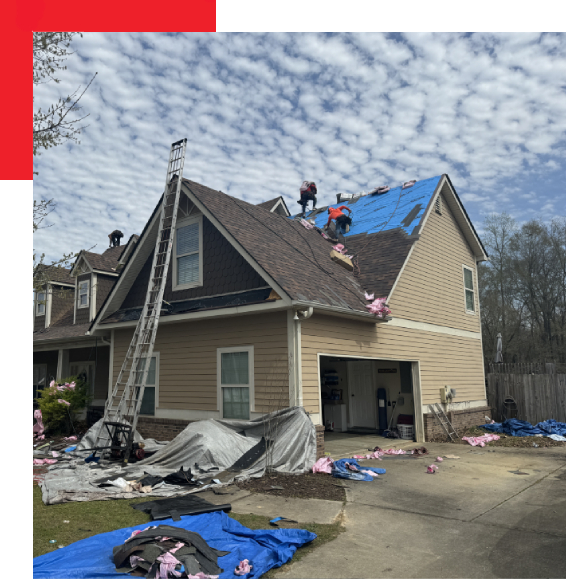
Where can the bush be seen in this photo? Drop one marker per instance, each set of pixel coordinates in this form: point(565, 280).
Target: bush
point(57, 415)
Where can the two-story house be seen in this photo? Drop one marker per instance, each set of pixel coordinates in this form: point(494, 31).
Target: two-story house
point(259, 316)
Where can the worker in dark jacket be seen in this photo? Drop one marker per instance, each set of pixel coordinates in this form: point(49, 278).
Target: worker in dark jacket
point(308, 193)
point(343, 222)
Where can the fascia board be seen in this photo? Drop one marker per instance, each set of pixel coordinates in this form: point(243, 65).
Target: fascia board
point(232, 240)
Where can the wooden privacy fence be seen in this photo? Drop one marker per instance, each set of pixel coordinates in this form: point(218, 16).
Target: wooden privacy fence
point(531, 397)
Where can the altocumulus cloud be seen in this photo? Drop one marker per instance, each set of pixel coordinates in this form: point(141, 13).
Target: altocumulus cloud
point(263, 112)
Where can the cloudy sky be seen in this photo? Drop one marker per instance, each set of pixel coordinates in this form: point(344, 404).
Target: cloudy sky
point(264, 112)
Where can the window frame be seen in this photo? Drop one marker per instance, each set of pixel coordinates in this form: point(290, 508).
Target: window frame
point(219, 385)
point(183, 223)
point(79, 283)
point(473, 290)
point(156, 386)
point(38, 303)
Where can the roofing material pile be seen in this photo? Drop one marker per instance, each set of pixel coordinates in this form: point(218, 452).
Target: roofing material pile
point(216, 451)
point(162, 550)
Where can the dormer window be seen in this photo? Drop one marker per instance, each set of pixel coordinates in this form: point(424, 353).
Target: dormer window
point(83, 294)
point(40, 304)
point(187, 264)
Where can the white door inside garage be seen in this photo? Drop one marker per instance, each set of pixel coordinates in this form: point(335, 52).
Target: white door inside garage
point(361, 394)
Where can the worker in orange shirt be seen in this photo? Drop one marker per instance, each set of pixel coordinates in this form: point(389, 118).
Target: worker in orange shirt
point(343, 222)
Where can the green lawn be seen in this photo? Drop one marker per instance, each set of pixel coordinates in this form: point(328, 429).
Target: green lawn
point(92, 518)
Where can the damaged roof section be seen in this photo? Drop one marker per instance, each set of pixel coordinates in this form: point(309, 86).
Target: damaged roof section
point(297, 259)
point(199, 304)
point(398, 208)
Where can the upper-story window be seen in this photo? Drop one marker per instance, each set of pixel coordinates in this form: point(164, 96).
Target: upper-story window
point(469, 290)
point(187, 264)
point(40, 304)
point(83, 294)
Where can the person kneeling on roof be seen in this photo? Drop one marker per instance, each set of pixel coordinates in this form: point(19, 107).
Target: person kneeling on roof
point(343, 222)
point(308, 193)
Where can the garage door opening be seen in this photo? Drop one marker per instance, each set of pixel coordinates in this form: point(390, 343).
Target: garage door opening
point(368, 396)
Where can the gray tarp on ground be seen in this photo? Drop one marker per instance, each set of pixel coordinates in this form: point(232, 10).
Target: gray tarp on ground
point(210, 443)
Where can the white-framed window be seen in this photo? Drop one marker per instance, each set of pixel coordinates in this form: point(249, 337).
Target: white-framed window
point(150, 399)
point(83, 297)
point(40, 304)
point(235, 371)
point(469, 292)
point(187, 254)
point(39, 378)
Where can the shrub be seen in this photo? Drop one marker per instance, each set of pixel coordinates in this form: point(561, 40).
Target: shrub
point(57, 415)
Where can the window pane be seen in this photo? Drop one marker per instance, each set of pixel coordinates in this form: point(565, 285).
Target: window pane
point(148, 401)
point(83, 300)
point(188, 268)
point(234, 368)
point(187, 239)
point(468, 279)
point(151, 372)
point(470, 301)
point(236, 403)
point(83, 287)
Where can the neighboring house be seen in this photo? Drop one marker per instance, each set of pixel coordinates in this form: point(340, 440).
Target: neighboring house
point(63, 312)
point(259, 317)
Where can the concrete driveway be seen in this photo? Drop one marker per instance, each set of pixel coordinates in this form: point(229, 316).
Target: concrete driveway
point(474, 518)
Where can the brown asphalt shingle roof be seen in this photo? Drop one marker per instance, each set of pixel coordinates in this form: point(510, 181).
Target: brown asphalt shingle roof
point(269, 204)
point(55, 274)
point(296, 258)
point(61, 329)
point(108, 261)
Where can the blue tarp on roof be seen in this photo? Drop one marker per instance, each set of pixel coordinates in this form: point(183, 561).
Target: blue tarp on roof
point(371, 213)
point(92, 557)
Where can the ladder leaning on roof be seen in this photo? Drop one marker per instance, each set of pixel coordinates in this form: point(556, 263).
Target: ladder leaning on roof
point(125, 401)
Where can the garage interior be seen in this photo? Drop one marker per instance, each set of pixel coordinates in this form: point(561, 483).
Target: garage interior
point(367, 396)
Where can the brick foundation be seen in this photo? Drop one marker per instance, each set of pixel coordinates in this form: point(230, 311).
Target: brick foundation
point(161, 428)
point(460, 419)
point(319, 441)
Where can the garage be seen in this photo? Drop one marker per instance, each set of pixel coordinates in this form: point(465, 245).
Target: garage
point(370, 396)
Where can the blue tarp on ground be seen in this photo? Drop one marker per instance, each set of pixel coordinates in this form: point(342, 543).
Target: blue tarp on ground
point(339, 470)
point(515, 427)
point(92, 557)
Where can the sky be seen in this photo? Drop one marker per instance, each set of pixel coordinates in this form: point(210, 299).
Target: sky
point(263, 112)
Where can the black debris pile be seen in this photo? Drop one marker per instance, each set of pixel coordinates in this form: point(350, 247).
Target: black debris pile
point(160, 550)
point(175, 507)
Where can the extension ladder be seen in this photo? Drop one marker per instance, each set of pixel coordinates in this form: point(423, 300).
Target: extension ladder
point(116, 435)
point(443, 419)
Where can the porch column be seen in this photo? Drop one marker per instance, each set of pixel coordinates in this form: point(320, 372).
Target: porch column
point(62, 364)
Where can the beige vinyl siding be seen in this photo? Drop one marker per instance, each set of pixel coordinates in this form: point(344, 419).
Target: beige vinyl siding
point(444, 359)
point(188, 373)
point(431, 287)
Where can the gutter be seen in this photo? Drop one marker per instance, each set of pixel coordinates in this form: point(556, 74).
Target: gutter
point(299, 315)
point(338, 311)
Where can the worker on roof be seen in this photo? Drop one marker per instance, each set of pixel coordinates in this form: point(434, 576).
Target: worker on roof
point(115, 237)
point(308, 193)
point(343, 222)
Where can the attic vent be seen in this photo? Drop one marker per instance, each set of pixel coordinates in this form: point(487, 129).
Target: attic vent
point(438, 205)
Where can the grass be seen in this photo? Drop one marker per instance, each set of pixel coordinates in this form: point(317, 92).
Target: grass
point(92, 518)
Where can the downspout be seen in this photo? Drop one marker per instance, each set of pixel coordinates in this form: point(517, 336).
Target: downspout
point(299, 315)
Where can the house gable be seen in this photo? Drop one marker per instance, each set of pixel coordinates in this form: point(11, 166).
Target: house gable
point(225, 271)
point(430, 287)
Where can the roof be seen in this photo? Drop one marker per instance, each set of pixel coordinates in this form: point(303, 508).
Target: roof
point(398, 208)
point(270, 205)
point(62, 328)
point(244, 298)
point(56, 274)
point(107, 261)
point(297, 259)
